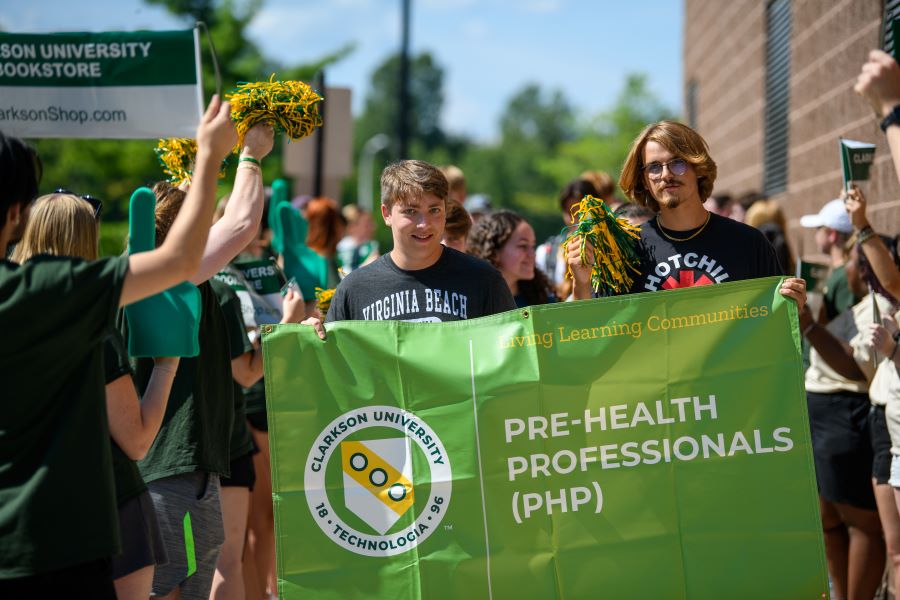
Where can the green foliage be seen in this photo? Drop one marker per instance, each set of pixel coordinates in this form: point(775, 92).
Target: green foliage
point(381, 113)
point(111, 170)
point(113, 235)
point(543, 146)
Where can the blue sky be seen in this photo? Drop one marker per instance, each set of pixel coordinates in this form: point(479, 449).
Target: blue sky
point(489, 49)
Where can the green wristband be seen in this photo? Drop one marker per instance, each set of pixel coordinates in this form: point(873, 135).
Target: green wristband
point(249, 159)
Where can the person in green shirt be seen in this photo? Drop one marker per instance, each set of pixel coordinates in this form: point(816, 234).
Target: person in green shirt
point(833, 228)
point(191, 453)
point(63, 224)
point(58, 525)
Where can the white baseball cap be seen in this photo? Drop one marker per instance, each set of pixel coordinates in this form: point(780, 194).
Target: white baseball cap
point(833, 215)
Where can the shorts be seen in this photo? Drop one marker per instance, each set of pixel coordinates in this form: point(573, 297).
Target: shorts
point(85, 580)
point(190, 519)
point(881, 445)
point(258, 421)
point(842, 447)
point(142, 543)
point(242, 472)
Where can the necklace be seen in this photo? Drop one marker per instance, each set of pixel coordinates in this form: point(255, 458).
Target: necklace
point(690, 237)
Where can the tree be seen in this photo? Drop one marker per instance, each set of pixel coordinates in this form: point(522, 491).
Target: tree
point(112, 169)
point(533, 116)
point(380, 115)
point(608, 136)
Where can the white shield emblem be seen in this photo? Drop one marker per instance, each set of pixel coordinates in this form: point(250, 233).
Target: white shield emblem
point(378, 480)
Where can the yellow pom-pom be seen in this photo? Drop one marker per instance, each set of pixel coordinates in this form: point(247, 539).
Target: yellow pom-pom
point(176, 155)
point(177, 158)
point(323, 299)
point(614, 241)
point(290, 107)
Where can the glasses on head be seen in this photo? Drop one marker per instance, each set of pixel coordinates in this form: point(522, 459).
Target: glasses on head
point(677, 166)
point(95, 203)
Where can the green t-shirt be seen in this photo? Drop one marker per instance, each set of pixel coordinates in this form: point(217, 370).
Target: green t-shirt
point(57, 498)
point(128, 478)
point(837, 295)
point(197, 424)
point(241, 442)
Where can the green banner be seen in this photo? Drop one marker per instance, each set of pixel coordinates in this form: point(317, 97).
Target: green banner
point(118, 58)
point(856, 159)
point(649, 446)
point(118, 84)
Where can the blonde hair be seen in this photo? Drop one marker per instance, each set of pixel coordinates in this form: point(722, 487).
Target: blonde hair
point(456, 180)
point(765, 211)
point(62, 225)
point(680, 140)
point(410, 179)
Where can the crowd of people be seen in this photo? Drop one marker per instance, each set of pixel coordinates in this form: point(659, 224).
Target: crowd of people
point(130, 476)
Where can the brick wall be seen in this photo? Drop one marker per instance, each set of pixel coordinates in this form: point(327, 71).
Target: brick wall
point(724, 53)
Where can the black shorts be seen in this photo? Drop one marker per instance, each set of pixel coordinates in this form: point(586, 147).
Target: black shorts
point(842, 447)
point(258, 421)
point(881, 445)
point(142, 543)
point(242, 472)
point(85, 580)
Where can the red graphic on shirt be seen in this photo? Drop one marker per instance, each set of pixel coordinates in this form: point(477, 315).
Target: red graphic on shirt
point(686, 279)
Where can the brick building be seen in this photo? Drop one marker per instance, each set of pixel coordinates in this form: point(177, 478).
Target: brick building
point(769, 84)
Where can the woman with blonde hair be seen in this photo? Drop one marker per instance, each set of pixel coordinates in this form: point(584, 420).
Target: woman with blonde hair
point(768, 217)
point(63, 224)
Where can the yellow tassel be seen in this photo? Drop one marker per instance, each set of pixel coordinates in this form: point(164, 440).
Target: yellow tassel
point(323, 299)
point(614, 241)
point(290, 107)
point(177, 158)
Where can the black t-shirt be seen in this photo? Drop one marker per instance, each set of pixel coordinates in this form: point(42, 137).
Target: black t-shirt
point(725, 250)
point(456, 287)
point(57, 498)
point(241, 442)
point(128, 478)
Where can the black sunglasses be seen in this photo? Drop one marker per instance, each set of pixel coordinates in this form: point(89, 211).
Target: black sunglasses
point(95, 203)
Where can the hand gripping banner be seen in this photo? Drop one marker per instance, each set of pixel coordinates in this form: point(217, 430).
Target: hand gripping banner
point(648, 446)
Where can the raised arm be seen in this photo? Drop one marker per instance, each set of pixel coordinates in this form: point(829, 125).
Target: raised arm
point(876, 252)
point(178, 258)
point(879, 83)
point(243, 213)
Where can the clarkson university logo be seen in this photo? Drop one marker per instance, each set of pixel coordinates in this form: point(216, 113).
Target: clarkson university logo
point(378, 480)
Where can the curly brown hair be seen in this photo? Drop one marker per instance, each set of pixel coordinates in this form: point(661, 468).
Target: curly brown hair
point(680, 140)
point(487, 239)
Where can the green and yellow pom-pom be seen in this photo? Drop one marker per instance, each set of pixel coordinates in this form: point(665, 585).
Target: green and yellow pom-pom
point(176, 155)
point(290, 107)
point(323, 299)
point(615, 246)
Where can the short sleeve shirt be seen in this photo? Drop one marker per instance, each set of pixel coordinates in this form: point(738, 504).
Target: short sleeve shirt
point(241, 440)
point(725, 250)
point(57, 498)
point(456, 287)
point(196, 427)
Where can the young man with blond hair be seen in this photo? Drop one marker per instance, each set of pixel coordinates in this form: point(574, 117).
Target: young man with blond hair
point(419, 279)
point(669, 171)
